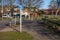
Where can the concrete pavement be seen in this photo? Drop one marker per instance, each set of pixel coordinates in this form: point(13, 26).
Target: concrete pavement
point(38, 31)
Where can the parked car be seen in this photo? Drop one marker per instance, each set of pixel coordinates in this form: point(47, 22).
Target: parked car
point(6, 15)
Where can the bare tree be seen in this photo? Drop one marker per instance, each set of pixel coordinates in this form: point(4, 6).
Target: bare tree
point(11, 2)
point(55, 4)
point(58, 6)
point(31, 3)
point(52, 6)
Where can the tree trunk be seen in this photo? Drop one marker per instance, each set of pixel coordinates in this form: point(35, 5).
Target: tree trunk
point(56, 12)
point(52, 13)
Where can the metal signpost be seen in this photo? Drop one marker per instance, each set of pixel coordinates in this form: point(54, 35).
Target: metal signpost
point(21, 8)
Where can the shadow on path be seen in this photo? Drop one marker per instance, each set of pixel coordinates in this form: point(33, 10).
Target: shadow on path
point(41, 31)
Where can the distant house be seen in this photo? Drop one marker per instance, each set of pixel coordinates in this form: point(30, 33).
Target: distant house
point(49, 11)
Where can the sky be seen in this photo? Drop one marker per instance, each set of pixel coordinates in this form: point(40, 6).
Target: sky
point(45, 4)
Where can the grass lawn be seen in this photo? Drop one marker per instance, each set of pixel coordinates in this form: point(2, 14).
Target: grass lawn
point(5, 18)
point(15, 36)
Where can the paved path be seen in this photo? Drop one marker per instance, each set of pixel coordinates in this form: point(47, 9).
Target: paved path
point(4, 26)
point(38, 31)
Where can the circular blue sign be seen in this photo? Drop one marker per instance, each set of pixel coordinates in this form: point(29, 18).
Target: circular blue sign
point(20, 7)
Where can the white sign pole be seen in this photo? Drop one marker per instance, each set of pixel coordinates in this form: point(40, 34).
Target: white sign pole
point(20, 21)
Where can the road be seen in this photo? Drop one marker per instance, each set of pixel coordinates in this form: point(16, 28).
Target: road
point(38, 31)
